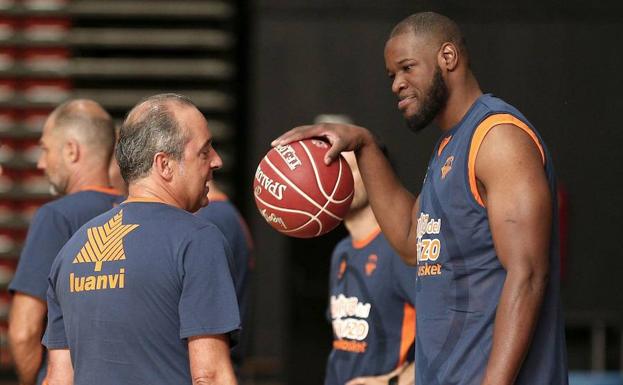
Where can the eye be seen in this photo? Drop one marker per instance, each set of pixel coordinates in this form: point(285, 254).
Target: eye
point(407, 67)
point(391, 75)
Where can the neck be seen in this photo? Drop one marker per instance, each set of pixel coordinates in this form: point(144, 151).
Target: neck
point(361, 223)
point(460, 99)
point(91, 177)
point(148, 189)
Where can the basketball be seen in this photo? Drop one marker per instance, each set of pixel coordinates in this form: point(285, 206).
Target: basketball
point(297, 194)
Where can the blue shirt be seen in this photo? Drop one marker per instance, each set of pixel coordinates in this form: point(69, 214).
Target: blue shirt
point(460, 277)
point(131, 286)
point(52, 225)
point(226, 217)
point(371, 309)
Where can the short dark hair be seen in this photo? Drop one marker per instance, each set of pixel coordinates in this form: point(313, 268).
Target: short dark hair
point(150, 127)
point(439, 27)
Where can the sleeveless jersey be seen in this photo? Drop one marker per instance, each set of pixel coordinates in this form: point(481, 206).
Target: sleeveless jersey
point(460, 277)
point(371, 309)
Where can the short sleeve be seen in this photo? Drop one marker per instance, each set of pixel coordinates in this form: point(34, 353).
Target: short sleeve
point(55, 336)
point(208, 303)
point(404, 278)
point(47, 235)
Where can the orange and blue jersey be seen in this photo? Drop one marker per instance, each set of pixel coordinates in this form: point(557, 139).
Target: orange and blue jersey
point(460, 277)
point(371, 309)
point(52, 225)
point(129, 289)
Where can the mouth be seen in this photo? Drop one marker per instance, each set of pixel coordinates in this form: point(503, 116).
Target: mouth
point(405, 101)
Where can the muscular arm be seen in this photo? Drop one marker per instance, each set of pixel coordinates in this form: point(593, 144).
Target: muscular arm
point(209, 361)
point(514, 186)
point(26, 323)
point(394, 206)
point(60, 368)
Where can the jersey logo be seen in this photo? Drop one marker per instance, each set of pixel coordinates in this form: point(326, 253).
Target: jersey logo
point(447, 167)
point(342, 269)
point(371, 264)
point(104, 243)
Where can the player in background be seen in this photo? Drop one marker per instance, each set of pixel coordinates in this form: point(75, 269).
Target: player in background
point(227, 218)
point(143, 294)
point(77, 144)
point(374, 340)
point(484, 229)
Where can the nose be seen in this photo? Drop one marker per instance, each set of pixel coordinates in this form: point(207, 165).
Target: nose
point(41, 162)
point(398, 84)
point(216, 162)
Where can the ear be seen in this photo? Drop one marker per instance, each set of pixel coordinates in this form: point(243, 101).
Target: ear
point(163, 165)
point(448, 57)
point(71, 151)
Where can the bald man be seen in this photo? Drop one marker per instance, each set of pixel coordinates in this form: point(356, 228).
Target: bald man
point(484, 229)
point(77, 144)
point(150, 300)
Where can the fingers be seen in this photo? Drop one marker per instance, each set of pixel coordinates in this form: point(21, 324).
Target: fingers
point(297, 133)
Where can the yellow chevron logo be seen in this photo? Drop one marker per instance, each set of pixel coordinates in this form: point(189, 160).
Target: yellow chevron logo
point(104, 243)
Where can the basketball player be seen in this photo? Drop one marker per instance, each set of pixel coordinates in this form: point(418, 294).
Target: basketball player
point(371, 302)
point(143, 294)
point(226, 217)
point(77, 144)
point(483, 230)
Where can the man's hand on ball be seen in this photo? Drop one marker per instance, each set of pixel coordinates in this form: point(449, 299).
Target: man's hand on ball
point(343, 137)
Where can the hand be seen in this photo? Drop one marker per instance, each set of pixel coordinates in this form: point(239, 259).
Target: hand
point(378, 380)
point(343, 137)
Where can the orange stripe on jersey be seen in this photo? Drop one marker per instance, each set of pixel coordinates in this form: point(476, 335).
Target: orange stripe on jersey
point(408, 333)
point(217, 197)
point(443, 144)
point(361, 243)
point(479, 135)
point(102, 189)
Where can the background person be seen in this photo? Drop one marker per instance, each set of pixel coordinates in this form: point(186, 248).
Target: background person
point(77, 144)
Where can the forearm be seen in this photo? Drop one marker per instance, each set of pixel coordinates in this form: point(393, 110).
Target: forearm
point(28, 357)
point(60, 368)
point(516, 317)
point(391, 202)
point(407, 376)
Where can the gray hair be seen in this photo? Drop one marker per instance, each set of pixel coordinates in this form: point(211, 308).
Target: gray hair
point(89, 123)
point(149, 128)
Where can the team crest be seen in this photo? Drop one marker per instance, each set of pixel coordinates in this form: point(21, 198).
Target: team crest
point(371, 264)
point(447, 167)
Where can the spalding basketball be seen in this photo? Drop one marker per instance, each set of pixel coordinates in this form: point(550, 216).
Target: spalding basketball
point(298, 194)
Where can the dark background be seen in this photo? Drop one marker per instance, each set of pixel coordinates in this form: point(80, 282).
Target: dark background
point(558, 62)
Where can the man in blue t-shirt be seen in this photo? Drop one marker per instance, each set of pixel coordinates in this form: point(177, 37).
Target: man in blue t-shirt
point(226, 217)
point(77, 144)
point(371, 302)
point(143, 294)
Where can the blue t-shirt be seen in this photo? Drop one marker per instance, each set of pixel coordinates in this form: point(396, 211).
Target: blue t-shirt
point(131, 286)
point(226, 217)
point(53, 224)
point(371, 309)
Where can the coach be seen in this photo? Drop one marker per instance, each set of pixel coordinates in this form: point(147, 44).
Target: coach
point(143, 294)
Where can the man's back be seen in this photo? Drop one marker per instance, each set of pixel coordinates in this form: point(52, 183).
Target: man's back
point(133, 288)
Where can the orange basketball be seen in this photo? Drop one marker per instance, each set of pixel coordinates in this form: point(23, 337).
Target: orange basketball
point(298, 194)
